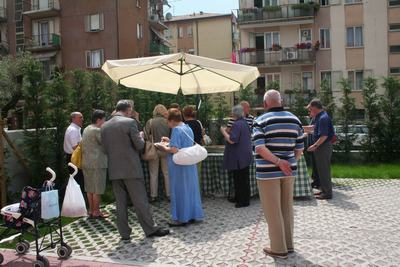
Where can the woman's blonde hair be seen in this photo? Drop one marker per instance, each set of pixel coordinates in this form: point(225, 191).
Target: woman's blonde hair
point(159, 110)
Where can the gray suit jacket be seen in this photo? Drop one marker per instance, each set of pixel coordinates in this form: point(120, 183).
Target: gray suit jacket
point(122, 144)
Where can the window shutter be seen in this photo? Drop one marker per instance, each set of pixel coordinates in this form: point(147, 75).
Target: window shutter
point(87, 23)
point(336, 77)
point(87, 54)
point(101, 57)
point(101, 21)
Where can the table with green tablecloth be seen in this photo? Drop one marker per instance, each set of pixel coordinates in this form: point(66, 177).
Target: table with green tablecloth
point(217, 182)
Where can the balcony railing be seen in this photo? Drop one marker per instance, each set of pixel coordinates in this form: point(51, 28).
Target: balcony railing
point(277, 13)
point(284, 56)
point(3, 14)
point(44, 41)
point(157, 49)
point(49, 4)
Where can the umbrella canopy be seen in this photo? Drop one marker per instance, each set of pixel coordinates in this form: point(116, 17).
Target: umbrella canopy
point(169, 73)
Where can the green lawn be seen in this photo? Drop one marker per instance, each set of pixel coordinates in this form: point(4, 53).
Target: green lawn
point(28, 237)
point(378, 171)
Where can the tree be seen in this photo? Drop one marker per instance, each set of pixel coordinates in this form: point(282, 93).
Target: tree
point(346, 117)
point(326, 97)
point(390, 121)
point(372, 117)
point(299, 105)
point(36, 113)
point(59, 101)
point(247, 94)
point(220, 112)
point(205, 111)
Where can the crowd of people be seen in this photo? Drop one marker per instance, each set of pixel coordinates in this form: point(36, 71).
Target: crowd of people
point(273, 140)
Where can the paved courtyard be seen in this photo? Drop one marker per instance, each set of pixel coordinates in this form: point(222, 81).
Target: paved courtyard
point(359, 227)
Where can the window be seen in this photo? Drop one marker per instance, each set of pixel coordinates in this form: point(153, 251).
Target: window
point(94, 58)
point(395, 70)
point(327, 76)
point(271, 3)
point(47, 71)
point(190, 31)
point(356, 79)
point(272, 38)
point(180, 50)
point(305, 36)
point(180, 32)
point(354, 37)
point(272, 77)
point(261, 82)
point(394, 2)
point(168, 34)
point(325, 37)
point(307, 79)
point(138, 3)
point(94, 22)
point(191, 51)
point(394, 49)
point(352, 1)
point(324, 2)
point(394, 27)
point(139, 31)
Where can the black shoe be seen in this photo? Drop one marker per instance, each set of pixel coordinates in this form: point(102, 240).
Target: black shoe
point(232, 199)
point(322, 197)
point(176, 224)
point(126, 238)
point(315, 185)
point(160, 232)
point(241, 205)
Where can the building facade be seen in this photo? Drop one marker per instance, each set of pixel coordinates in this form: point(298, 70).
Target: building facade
point(299, 43)
point(73, 34)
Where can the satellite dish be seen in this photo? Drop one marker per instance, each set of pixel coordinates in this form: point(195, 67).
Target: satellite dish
point(168, 16)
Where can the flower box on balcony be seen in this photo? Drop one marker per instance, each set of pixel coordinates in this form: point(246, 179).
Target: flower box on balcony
point(303, 45)
point(276, 47)
point(272, 9)
point(306, 6)
point(248, 50)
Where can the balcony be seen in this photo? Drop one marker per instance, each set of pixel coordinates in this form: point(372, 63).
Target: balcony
point(43, 42)
point(283, 57)
point(3, 14)
point(157, 22)
point(43, 9)
point(158, 49)
point(288, 14)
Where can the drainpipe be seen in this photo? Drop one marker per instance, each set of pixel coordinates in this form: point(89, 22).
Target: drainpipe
point(197, 37)
point(117, 10)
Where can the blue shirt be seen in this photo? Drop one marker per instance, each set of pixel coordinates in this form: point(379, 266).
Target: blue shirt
point(238, 155)
point(323, 127)
point(281, 132)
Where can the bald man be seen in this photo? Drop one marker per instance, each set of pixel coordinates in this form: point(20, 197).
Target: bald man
point(279, 143)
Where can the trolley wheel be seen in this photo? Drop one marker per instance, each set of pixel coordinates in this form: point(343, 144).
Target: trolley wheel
point(42, 262)
point(1, 258)
point(21, 247)
point(28, 245)
point(64, 251)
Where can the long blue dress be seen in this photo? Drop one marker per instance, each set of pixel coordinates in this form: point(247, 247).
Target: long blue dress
point(183, 180)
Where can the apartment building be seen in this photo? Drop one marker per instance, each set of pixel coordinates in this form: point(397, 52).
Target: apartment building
point(204, 34)
point(73, 34)
point(299, 43)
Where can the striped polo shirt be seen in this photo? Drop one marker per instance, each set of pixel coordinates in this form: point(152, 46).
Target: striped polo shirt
point(281, 132)
point(249, 119)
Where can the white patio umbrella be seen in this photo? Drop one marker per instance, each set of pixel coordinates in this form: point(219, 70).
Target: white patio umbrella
point(169, 73)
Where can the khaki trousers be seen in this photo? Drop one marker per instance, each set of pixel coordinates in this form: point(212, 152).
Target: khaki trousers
point(153, 171)
point(277, 202)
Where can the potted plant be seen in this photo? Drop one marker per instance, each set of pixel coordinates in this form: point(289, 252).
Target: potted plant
point(317, 45)
point(276, 47)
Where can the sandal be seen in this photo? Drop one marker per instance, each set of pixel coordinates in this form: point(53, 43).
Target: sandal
point(101, 215)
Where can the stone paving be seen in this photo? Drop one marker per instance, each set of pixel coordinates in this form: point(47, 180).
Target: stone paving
point(360, 226)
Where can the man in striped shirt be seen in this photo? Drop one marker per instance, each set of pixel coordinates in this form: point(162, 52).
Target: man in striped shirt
point(279, 142)
point(247, 116)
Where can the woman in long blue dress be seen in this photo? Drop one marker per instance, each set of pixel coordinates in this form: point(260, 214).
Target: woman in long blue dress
point(186, 204)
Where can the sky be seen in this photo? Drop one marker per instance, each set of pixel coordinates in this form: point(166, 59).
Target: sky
point(185, 7)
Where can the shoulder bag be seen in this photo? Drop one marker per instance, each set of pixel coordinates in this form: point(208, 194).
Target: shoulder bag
point(190, 155)
point(150, 151)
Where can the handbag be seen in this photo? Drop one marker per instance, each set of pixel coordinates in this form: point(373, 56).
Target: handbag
point(190, 155)
point(76, 157)
point(74, 204)
point(49, 202)
point(205, 138)
point(150, 151)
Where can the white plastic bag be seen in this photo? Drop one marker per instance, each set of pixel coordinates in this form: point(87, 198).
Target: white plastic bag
point(49, 203)
point(190, 155)
point(74, 203)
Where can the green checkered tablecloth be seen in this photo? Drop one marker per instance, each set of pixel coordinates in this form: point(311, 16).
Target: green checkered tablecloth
point(216, 181)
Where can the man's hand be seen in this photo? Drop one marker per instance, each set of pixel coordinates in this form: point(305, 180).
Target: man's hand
point(285, 167)
point(141, 134)
point(222, 129)
point(312, 148)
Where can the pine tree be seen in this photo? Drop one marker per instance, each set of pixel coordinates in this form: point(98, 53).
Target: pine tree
point(326, 97)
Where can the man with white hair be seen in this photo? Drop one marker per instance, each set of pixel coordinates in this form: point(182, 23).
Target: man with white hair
point(278, 141)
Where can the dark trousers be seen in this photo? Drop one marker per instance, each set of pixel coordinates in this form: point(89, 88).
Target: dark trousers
point(241, 179)
point(323, 156)
point(315, 177)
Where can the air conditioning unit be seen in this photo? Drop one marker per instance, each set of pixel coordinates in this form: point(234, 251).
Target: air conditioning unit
point(291, 55)
point(154, 17)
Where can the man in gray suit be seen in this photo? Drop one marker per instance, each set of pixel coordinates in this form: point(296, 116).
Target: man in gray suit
point(122, 142)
